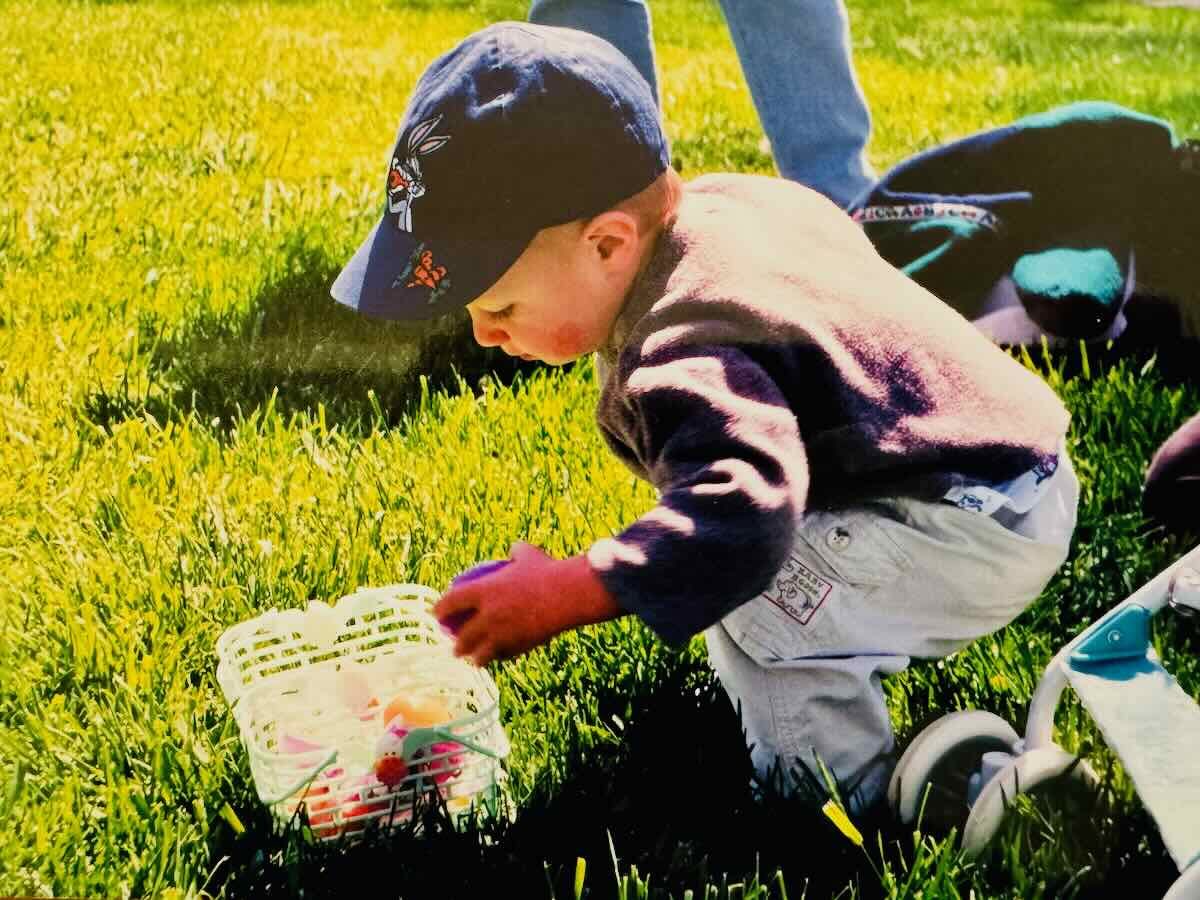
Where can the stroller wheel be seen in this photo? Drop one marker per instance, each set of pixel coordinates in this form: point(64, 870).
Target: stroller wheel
point(932, 778)
point(1050, 768)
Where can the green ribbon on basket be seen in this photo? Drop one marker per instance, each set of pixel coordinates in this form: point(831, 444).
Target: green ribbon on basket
point(423, 737)
point(304, 781)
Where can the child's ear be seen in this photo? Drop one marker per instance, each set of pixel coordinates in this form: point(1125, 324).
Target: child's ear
point(613, 235)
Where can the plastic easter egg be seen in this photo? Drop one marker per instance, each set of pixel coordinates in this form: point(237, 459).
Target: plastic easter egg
point(290, 743)
point(452, 624)
point(323, 825)
point(417, 712)
point(354, 823)
point(319, 807)
point(445, 767)
point(478, 571)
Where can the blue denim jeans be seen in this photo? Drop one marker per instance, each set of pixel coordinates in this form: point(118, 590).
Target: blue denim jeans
point(795, 55)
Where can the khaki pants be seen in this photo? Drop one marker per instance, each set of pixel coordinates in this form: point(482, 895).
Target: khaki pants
point(865, 590)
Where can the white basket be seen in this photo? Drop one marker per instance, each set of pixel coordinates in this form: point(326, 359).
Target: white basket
point(308, 689)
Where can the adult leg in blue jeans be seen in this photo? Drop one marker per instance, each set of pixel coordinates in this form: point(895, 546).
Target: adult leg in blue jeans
point(796, 58)
point(795, 55)
point(623, 23)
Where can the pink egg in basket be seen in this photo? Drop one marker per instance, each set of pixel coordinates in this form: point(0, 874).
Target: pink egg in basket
point(445, 761)
point(291, 743)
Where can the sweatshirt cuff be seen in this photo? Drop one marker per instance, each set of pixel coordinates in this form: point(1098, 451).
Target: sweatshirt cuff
point(617, 566)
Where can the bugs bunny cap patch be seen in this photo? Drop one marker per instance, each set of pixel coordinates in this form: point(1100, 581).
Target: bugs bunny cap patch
point(517, 128)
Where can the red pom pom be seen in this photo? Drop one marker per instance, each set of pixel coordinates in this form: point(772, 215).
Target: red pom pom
point(391, 770)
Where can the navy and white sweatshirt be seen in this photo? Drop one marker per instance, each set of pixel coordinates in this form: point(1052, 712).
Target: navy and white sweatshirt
point(769, 361)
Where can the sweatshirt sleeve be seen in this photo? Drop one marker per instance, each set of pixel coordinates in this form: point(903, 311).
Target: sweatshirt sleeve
point(719, 441)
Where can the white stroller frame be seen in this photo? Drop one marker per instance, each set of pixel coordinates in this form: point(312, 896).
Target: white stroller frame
point(1148, 721)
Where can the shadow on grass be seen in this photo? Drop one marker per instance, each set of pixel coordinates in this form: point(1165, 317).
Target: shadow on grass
point(674, 797)
point(675, 800)
point(294, 348)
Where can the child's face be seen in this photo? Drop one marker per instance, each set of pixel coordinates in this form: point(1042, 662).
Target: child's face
point(560, 298)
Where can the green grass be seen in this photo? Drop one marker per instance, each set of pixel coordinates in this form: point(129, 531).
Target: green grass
point(193, 433)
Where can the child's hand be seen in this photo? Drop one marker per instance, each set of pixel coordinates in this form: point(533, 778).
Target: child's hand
point(524, 604)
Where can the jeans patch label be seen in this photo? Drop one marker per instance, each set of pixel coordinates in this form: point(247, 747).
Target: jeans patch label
point(798, 591)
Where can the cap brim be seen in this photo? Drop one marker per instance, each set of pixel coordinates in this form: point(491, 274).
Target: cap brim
point(391, 277)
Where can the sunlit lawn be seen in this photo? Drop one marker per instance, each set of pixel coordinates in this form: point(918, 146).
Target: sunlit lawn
point(193, 433)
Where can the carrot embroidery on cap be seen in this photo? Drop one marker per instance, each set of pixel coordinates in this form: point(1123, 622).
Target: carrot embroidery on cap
point(421, 272)
point(426, 272)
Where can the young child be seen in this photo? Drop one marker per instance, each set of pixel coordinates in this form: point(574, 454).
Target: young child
point(849, 473)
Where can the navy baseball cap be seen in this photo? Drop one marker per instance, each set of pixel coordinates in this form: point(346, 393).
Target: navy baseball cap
point(517, 128)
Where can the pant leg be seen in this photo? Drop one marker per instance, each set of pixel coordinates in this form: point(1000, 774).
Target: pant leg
point(623, 23)
point(795, 55)
point(862, 592)
point(804, 672)
point(819, 710)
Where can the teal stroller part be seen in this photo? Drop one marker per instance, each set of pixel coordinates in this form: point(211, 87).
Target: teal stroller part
point(1145, 717)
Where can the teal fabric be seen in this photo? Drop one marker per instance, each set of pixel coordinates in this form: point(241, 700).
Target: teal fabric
point(1064, 273)
point(1094, 112)
point(1064, 195)
point(1069, 292)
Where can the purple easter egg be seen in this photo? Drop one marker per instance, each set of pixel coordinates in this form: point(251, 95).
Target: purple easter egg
point(455, 622)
